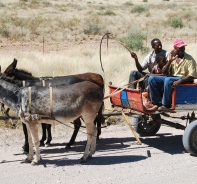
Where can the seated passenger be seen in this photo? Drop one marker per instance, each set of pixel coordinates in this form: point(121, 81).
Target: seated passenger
point(148, 63)
point(180, 68)
point(161, 61)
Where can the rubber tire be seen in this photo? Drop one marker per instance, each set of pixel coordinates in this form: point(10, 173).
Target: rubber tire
point(143, 131)
point(190, 138)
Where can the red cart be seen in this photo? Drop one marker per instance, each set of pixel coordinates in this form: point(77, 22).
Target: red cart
point(148, 122)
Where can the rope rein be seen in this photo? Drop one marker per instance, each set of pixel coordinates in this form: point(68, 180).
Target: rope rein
point(118, 90)
point(53, 118)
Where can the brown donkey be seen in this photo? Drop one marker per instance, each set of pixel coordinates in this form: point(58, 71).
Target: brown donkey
point(59, 103)
point(29, 80)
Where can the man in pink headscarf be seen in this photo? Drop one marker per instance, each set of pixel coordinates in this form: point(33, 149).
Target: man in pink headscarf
point(180, 69)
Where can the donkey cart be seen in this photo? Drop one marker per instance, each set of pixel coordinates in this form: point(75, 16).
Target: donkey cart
point(147, 122)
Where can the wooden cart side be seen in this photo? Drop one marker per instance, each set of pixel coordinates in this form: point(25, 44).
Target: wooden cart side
point(184, 95)
point(127, 98)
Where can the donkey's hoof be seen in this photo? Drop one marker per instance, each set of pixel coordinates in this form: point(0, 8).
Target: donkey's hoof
point(25, 149)
point(47, 145)
point(82, 160)
point(41, 143)
point(67, 147)
point(27, 161)
point(34, 163)
point(90, 156)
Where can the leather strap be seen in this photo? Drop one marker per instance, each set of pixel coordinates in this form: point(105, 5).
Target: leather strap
point(43, 83)
point(29, 99)
point(51, 101)
point(23, 83)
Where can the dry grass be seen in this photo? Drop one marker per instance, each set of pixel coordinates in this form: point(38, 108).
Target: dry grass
point(74, 20)
point(117, 62)
point(68, 49)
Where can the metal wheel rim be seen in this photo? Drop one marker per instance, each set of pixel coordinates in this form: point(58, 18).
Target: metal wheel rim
point(150, 126)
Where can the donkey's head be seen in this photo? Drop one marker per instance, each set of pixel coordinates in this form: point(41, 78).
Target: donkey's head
point(11, 67)
point(12, 72)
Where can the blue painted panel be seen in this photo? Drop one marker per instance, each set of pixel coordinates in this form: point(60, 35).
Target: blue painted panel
point(124, 99)
point(186, 95)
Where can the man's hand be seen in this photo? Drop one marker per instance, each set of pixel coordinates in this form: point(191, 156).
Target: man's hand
point(173, 55)
point(139, 67)
point(176, 83)
point(133, 55)
point(187, 79)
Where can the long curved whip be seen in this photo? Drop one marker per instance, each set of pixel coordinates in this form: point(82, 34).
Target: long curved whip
point(116, 41)
point(100, 49)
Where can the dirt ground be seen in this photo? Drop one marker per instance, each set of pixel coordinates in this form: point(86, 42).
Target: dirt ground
point(118, 159)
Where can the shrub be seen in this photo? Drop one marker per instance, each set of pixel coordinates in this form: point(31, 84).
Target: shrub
point(134, 40)
point(101, 7)
point(92, 28)
point(109, 12)
point(34, 2)
point(1, 5)
point(175, 22)
point(188, 15)
point(138, 9)
point(128, 3)
point(46, 3)
point(4, 32)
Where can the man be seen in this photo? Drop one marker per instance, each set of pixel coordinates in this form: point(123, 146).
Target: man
point(148, 63)
point(182, 69)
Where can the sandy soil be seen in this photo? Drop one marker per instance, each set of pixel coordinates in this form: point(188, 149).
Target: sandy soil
point(118, 159)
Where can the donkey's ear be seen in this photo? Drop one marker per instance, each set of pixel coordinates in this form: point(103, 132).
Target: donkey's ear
point(11, 67)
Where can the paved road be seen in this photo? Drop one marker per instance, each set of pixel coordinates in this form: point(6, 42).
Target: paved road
point(119, 159)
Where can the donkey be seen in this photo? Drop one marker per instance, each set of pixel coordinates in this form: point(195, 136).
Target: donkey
point(11, 71)
point(59, 103)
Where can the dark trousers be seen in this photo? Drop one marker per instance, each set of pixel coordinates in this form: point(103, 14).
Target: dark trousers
point(135, 75)
point(161, 82)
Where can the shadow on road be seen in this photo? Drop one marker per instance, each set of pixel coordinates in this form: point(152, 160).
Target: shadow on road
point(168, 143)
point(100, 160)
point(111, 150)
point(111, 147)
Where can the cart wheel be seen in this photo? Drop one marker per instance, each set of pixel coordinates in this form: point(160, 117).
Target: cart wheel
point(146, 128)
point(190, 138)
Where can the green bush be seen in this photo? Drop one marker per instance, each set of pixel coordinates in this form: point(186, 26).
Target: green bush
point(101, 7)
point(134, 40)
point(34, 2)
point(46, 3)
point(1, 5)
point(4, 32)
point(138, 9)
point(128, 3)
point(31, 1)
point(109, 12)
point(176, 22)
